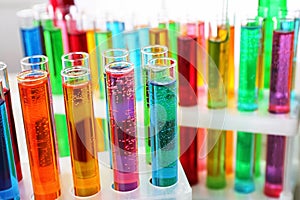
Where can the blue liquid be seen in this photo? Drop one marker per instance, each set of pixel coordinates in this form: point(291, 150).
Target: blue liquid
point(164, 138)
point(31, 39)
point(131, 40)
point(8, 181)
point(144, 37)
point(116, 28)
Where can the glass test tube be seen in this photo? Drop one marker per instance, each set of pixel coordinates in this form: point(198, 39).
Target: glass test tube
point(159, 36)
point(10, 117)
point(123, 131)
point(116, 27)
point(201, 54)
point(35, 98)
point(60, 22)
point(279, 102)
point(76, 34)
point(148, 53)
point(187, 69)
point(30, 33)
point(217, 98)
point(109, 56)
point(163, 121)
point(250, 48)
point(296, 37)
point(8, 176)
point(78, 101)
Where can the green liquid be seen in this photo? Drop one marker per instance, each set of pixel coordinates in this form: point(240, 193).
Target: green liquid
point(216, 174)
point(174, 28)
point(62, 135)
point(257, 155)
point(217, 73)
point(244, 162)
point(249, 52)
point(103, 42)
point(54, 51)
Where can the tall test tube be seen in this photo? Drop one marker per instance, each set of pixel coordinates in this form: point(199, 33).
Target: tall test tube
point(35, 98)
point(163, 121)
point(123, 132)
point(11, 121)
point(148, 53)
point(77, 88)
point(279, 102)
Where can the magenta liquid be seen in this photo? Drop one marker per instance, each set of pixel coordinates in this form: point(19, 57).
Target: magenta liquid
point(121, 99)
point(281, 71)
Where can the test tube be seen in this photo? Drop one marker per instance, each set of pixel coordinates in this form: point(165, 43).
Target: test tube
point(295, 59)
point(8, 178)
point(10, 117)
point(77, 89)
point(159, 36)
point(279, 102)
point(30, 33)
point(148, 53)
point(187, 69)
point(60, 22)
point(76, 34)
point(35, 99)
point(123, 131)
point(116, 26)
point(163, 121)
point(109, 56)
point(217, 98)
point(250, 44)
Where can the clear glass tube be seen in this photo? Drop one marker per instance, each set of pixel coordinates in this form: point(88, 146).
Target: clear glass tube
point(74, 59)
point(10, 117)
point(163, 121)
point(78, 99)
point(30, 33)
point(36, 104)
point(123, 131)
point(148, 53)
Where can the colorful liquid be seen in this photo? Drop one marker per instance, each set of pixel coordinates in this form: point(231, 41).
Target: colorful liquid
point(281, 71)
point(159, 36)
point(131, 40)
point(82, 138)
point(216, 178)
point(217, 73)
point(122, 112)
point(231, 68)
point(143, 36)
point(229, 152)
point(257, 155)
point(62, 135)
point(188, 153)
point(77, 41)
point(244, 180)
point(201, 54)
point(250, 44)
point(173, 31)
point(8, 181)
point(296, 37)
point(116, 28)
point(39, 132)
point(62, 25)
point(54, 52)
point(187, 70)
point(13, 133)
point(274, 165)
point(31, 39)
point(163, 129)
point(103, 42)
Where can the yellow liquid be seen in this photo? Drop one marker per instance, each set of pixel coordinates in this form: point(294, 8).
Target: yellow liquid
point(82, 138)
point(158, 36)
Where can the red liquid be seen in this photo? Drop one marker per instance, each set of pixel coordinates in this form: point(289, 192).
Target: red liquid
point(13, 133)
point(188, 152)
point(187, 70)
point(77, 41)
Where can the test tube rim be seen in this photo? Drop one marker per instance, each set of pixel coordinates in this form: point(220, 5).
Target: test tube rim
point(3, 65)
point(124, 51)
point(21, 75)
point(26, 13)
point(157, 46)
point(156, 68)
point(129, 68)
point(27, 58)
point(86, 72)
point(66, 56)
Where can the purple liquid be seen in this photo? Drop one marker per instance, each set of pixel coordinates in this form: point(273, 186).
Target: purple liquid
point(281, 71)
point(275, 165)
point(121, 95)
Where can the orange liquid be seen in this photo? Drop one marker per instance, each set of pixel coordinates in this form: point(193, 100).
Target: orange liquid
point(229, 150)
point(82, 138)
point(39, 132)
